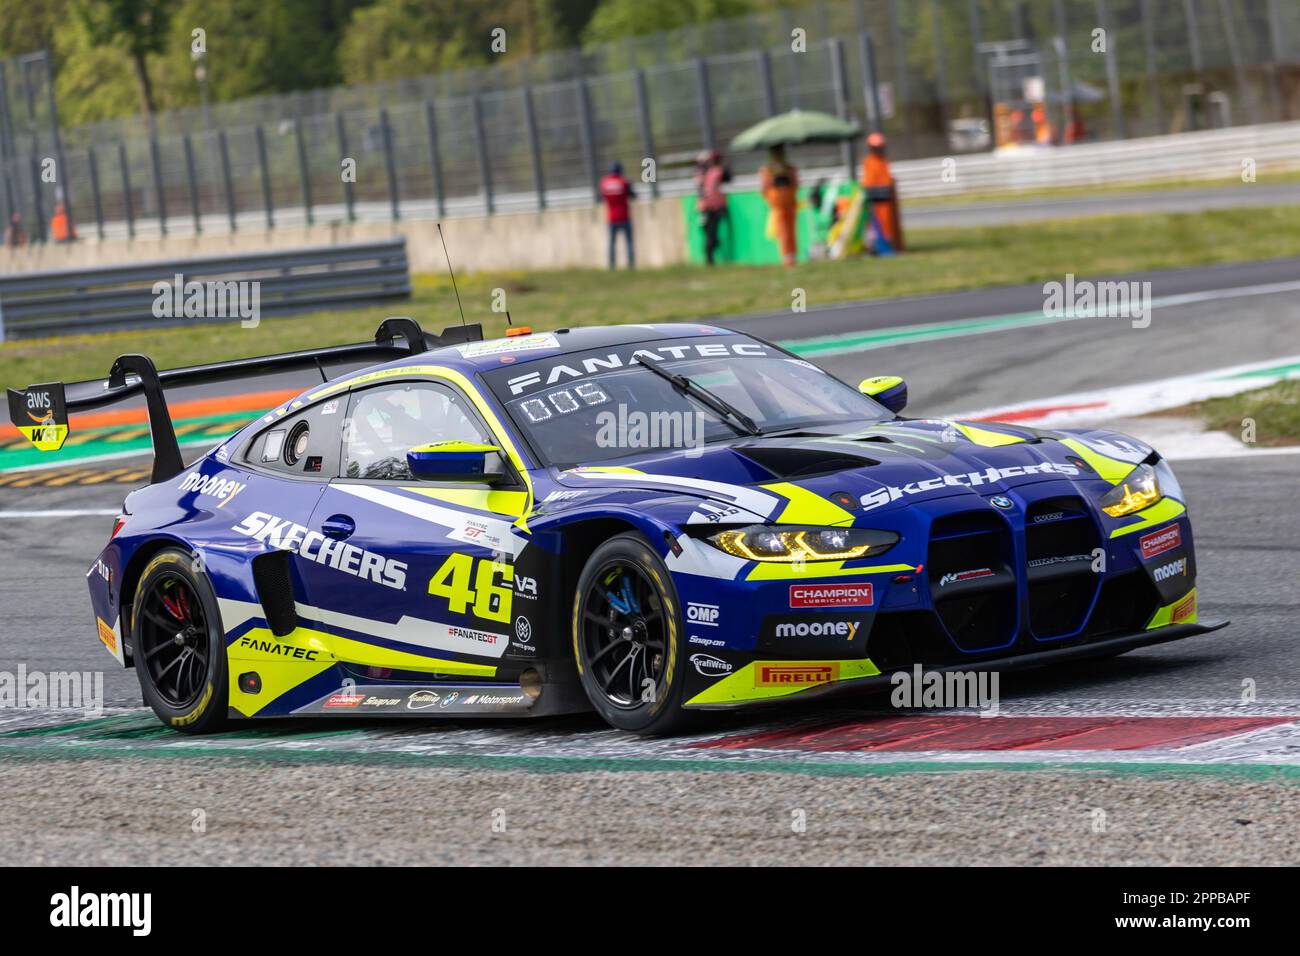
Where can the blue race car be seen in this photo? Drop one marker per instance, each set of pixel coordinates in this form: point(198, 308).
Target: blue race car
point(647, 520)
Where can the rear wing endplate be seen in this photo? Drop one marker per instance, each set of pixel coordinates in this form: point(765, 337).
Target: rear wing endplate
point(40, 412)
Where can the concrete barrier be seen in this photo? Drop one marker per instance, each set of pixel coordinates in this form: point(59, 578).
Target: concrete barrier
point(554, 239)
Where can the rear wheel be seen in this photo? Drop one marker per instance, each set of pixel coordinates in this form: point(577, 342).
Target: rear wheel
point(177, 644)
point(626, 627)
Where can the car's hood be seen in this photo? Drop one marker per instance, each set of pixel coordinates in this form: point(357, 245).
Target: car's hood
point(888, 465)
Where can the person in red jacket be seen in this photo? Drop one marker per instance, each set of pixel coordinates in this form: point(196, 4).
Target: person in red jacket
point(617, 192)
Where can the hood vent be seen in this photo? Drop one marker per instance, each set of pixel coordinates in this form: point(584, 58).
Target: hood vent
point(789, 463)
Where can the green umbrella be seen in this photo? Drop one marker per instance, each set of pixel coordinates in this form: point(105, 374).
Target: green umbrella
point(794, 127)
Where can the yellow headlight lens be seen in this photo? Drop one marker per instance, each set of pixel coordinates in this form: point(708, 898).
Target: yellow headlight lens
point(764, 543)
point(1139, 489)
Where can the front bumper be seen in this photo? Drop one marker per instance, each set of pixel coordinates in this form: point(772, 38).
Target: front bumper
point(864, 677)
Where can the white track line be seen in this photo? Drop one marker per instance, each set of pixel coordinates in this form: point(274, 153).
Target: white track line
point(63, 513)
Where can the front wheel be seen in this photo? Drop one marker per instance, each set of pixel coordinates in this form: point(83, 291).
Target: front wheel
point(626, 627)
point(177, 644)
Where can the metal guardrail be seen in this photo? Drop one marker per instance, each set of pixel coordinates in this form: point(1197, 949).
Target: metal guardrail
point(142, 294)
point(1208, 154)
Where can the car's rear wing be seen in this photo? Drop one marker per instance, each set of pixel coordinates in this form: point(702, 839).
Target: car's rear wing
point(40, 412)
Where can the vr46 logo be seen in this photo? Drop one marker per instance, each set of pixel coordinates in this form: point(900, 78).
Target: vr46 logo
point(489, 598)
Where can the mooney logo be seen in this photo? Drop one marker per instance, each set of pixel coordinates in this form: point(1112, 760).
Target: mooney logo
point(1158, 542)
point(847, 629)
point(1167, 571)
point(773, 674)
point(314, 546)
point(211, 485)
point(891, 493)
point(831, 595)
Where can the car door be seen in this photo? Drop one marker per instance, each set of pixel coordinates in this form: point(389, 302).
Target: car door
point(421, 568)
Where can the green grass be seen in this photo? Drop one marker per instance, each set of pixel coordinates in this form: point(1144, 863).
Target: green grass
point(1275, 411)
point(938, 260)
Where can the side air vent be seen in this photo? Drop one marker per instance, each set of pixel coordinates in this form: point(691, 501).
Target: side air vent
point(274, 585)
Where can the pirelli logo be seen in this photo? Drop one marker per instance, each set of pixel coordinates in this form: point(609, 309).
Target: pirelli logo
point(1184, 610)
point(788, 674)
point(107, 635)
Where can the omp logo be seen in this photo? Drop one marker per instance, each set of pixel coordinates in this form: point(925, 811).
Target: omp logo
point(785, 674)
point(705, 614)
point(890, 493)
point(314, 546)
point(710, 666)
point(661, 353)
point(1158, 542)
point(831, 595)
point(212, 486)
point(130, 910)
point(276, 649)
point(847, 629)
point(1167, 571)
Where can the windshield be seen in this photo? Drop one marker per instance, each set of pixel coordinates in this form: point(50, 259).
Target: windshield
point(602, 404)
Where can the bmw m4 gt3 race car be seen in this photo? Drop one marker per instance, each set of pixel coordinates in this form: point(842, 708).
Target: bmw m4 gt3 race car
point(498, 528)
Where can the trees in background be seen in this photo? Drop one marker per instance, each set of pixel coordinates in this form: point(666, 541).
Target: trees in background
point(121, 57)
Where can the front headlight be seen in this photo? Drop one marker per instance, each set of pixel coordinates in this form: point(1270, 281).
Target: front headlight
point(766, 543)
point(1139, 489)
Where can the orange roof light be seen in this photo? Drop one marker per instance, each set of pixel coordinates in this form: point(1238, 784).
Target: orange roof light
point(518, 330)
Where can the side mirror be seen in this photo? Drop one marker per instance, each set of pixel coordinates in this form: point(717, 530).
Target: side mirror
point(455, 461)
point(888, 390)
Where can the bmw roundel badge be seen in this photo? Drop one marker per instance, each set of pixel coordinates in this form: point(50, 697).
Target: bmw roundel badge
point(1002, 501)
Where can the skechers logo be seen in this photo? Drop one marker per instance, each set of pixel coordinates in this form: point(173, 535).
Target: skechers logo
point(314, 546)
point(1167, 571)
point(212, 486)
point(1158, 542)
point(891, 493)
point(847, 629)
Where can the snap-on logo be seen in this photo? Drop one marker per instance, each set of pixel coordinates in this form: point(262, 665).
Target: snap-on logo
point(831, 595)
point(1158, 542)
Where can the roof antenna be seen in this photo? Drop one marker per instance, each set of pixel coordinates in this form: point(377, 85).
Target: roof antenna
point(453, 276)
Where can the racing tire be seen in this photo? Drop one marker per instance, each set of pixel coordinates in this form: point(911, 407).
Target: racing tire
point(178, 646)
point(627, 630)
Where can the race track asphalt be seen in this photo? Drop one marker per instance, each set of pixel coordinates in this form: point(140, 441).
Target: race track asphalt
point(1246, 521)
